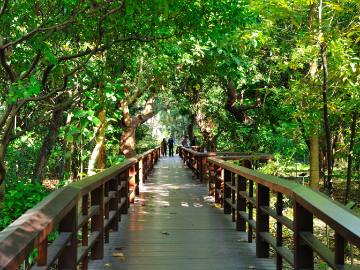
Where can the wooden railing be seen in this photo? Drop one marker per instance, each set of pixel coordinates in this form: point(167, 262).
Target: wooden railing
point(196, 160)
point(109, 194)
point(238, 197)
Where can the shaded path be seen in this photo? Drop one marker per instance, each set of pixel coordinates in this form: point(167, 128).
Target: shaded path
point(199, 236)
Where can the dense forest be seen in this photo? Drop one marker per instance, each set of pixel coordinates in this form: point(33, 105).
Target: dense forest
point(85, 85)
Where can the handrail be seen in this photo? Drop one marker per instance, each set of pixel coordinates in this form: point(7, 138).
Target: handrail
point(307, 202)
point(197, 160)
point(111, 192)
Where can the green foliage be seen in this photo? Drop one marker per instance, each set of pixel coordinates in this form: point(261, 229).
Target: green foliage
point(21, 196)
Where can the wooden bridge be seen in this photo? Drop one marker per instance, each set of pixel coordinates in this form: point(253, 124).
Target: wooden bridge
point(152, 213)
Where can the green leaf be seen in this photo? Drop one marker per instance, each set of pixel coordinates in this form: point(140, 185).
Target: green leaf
point(118, 114)
point(10, 203)
point(70, 138)
point(51, 57)
point(80, 113)
point(119, 95)
point(96, 121)
point(73, 131)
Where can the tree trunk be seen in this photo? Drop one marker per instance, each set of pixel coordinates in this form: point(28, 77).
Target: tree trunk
point(326, 120)
point(314, 161)
point(63, 148)
point(350, 157)
point(99, 153)
point(190, 129)
point(127, 141)
point(47, 146)
point(3, 147)
point(129, 125)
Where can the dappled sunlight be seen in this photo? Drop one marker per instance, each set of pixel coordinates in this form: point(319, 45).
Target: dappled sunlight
point(197, 205)
point(209, 198)
point(185, 204)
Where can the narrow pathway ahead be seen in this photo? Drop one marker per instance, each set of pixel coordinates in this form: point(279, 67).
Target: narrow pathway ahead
point(172, 228)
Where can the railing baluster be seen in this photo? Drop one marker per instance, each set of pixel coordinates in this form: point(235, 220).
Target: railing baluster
point(42, 253)
point(303, 221)
point(262, 220)
point(203, 169)
point(68, 258)
point(106, 210)
point(113, 205)
point(85, 229)
point(227, 192)
point(211, 179)
point(124, 193)
point(233, 193)
point(241, 203)
point(132, 183)
point(97, 223)
point(339, 249)
point(137, 178)
point(217, 183)
point(279, 238)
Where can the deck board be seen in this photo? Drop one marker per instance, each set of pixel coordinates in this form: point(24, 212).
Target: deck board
point(200, 235)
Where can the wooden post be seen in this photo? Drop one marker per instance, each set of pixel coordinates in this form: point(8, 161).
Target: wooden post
point(217, 171)
point(85, 230)
point(106, 210)
point(42, 253)
point(68, 258)
point(137, 171)
point(227, 192)
point(303, 254)
point(279, 208)
point(124, 193)
point(339, 249)
point(247, 164)
point(233, 193)
point(241, 203)
point(141, 180)
point(97, 224)
point(113, 205)
point(211, 178)
point(202, 163)
point(262, 220)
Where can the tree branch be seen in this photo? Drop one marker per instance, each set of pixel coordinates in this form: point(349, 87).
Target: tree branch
point(34, 63)
point(4, 7)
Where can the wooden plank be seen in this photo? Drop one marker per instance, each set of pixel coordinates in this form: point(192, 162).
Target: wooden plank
point(83, 250)
point(55, 249)
point(245, 216)
point(286, 254)
point(322, 250)
point(197, 231)
point(229, 201)
point(111, 195)
point(247, 197)
point(84, 218)
point(282, 219)
point(123, 200)
point(107, 220)
point(231, 186)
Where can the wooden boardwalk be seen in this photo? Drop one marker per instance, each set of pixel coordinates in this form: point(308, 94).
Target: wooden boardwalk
point(199, 235)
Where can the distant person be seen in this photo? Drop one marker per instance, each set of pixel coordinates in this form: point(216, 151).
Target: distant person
point(171, 143)
point(184, 142)
point(193, 141)
point(163, 147)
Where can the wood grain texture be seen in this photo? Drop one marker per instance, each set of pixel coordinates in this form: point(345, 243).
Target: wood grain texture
point(199, 236)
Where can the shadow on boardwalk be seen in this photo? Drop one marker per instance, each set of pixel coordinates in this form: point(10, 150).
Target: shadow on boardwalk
point(199, 235)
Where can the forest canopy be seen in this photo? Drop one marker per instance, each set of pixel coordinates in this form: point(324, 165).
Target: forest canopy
point(84, 84)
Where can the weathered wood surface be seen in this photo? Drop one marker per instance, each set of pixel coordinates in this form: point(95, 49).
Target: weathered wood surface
point(200, 235)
